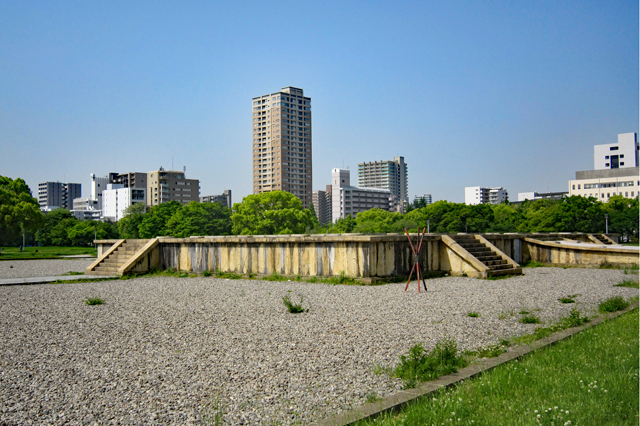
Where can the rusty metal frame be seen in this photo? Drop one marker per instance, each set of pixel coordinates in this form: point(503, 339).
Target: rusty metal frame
point(416, 259)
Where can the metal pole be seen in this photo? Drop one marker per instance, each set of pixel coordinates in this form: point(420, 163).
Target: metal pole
point(428, 228)
point(606, 218)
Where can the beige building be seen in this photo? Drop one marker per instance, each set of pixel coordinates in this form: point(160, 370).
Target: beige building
point(282, 147)
point(603, 184)
point(167, 185)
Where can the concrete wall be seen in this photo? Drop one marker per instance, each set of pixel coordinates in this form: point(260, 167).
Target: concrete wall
point(360, 256)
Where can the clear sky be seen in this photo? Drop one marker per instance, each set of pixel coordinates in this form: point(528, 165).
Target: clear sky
point(500, 93)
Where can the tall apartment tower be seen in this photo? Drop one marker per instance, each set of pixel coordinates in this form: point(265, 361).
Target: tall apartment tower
point(389, 175)
point(58, 195)
point(282, 147)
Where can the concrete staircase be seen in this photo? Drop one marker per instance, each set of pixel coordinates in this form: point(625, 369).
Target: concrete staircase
point(109, 264)
point(601, 239)
point(488, 255)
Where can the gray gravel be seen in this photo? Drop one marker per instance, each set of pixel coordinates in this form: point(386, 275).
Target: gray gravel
point(41, 268)
point(171, 350)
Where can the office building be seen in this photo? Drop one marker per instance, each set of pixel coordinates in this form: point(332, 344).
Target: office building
point(347, 200)
point(282, 144)
point(167, 185)
point(58, 195)
point(615, 171)
point(424, 197)
point(224, 198)
point(620, 155)
point(522, 196)
point(478, 195)
point(389, 175)
point(129, 180)
point(322, 205)
point(116, 199)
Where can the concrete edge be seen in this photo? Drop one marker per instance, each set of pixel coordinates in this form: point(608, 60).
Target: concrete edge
point(49, 280)
point(396, 401)
point(584, 247)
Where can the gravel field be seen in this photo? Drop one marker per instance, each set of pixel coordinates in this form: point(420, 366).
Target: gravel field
point(170, 350)
point(41, 268)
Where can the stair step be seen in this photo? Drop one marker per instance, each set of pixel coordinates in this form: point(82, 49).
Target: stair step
point(500, 272)
point(498, 267)
point(495, 262)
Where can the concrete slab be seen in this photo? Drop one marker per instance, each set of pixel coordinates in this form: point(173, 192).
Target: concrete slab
point(45, 280)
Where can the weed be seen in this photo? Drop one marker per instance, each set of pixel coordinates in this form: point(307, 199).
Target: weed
point(312, 280)
point(340, 279)
point(11, 266)
point(74, 273)
point(607, 265)
point(380, 369)
point(503, 315)
point(215, 412)
point(419, 366)
point(93, 301)
point(298, 277)
point(499, 277)
point(530, 319)
point(228, 275)
point(628, 283)
point(532, 264)
point(372, 397)
point(251, 275)
point(473, 314)
point(276, 277)
point(523, 312)
point(294, 308)
point(613, 304)
point(568, 299)
point(183, 275)
point(574, 319)
point(489, 351)
point(206, 273)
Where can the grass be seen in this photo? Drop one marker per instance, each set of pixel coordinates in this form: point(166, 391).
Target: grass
point(93, 301)
point(628, 283)
point(532, 264)
point(589, 379)
point(276, 277)
point(418, 365)
point(294, 308)
point(613, 304)
point(530, 319)
point(473, 314)
point(568, 299)
point(13, 253)
point(227, 275)
point(74, 273)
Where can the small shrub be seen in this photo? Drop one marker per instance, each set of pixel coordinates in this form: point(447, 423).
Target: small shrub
point(93, 301)
point(613, 304)
point(419, 366)
point(530, 319)
point(206, 274)
point(574, 319)
point(628, 283)
point(294, 308)
point(473, 314)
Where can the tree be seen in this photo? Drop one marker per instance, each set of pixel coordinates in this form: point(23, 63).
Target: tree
point(314, 216)
point(155, 220)
point(343, 225)
point(200, 219)
point(377, 221)
point(19, 211)
point(55, 229)
point(623, 215)
point(129, 225)
point(268, 213)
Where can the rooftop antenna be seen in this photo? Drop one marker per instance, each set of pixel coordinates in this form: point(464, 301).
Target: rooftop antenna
point(184, 170)
point(172, 162)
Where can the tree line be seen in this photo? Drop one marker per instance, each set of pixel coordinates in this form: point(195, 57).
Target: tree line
point(280, 212)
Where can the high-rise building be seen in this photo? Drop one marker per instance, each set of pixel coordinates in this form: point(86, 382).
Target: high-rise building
point(117, 198)
point(322, 205)
point(424, 197)
point(479, 195)
point(58, 195)
point(389, 175)
point(167, 185)
point(282, 147)
point(623, 154)
point(224, 198)
point(347, 200)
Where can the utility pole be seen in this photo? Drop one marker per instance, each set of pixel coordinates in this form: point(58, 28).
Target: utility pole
point(606, 218)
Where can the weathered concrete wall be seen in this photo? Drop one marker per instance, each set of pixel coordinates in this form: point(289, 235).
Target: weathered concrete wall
point(583, 254)
point(361, 256)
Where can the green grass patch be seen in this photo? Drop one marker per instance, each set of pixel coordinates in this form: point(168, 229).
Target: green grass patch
point(227, 275)
point(613, 304)
point(13, 253)
point(473, 314)
point(589, 379)
point(94, 301)
point(568, 299)
point(532, 264)
point(293, 307)
point(628, 283)
point(206, 273)
point(276, 277)
point(530, 319)
point(418, 365)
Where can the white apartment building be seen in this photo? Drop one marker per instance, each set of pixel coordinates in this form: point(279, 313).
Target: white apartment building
point(623, 154)
point(390, 175)
point(116, 198)
point(478, 195)
point(351, 200)
point(282, 145)
point(426, 197)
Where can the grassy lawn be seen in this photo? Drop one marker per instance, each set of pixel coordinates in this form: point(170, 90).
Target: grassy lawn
point(13, 253)
point(589, 379)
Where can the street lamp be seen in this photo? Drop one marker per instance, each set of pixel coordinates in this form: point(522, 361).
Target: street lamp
point(606, 218)
point(428, 223)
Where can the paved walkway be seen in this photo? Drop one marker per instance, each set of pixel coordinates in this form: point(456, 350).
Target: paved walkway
point(45, 280)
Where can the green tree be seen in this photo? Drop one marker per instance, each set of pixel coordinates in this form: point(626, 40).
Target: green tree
point(377, 221)
point(314, 216)
point(55, 229)
point(623, 215)
point(19, 211)
point(154, 222)
point(200, 219)
point(129, 225)
point(275, 212)
point(343, 225)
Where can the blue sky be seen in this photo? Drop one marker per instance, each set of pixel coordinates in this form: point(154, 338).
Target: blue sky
point(511, 94)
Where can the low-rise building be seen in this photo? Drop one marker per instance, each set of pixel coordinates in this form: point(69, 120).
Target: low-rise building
point(603, 184)
point(522, 196)
point(224, 198)
point(478, 195)
point(167, 185)
point(347, 200)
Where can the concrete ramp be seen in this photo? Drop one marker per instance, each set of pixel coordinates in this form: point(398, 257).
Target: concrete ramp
point(474, 256)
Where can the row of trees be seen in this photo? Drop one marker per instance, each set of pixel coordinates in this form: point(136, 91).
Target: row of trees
point(280, 212)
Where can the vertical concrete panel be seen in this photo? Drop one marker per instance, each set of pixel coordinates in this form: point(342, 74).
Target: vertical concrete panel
point(319, 259)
